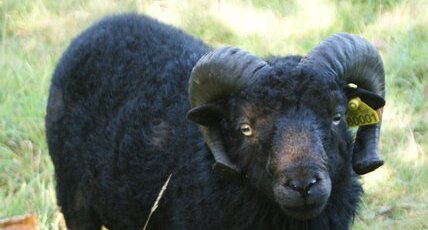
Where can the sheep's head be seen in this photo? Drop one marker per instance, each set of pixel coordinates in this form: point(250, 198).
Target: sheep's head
point(281, 125)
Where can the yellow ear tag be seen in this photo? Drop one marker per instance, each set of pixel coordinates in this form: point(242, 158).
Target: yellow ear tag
point(359, 113)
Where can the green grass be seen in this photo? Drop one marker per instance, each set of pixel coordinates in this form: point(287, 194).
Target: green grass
point(34, 34)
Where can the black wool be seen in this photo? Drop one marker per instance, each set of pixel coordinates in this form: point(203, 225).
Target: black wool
point(116, 128)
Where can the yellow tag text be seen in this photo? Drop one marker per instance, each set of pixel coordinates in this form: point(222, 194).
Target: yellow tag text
point(360, 114)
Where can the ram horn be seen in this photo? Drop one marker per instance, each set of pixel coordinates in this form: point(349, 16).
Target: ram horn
point(353, 59)
point(216, 76)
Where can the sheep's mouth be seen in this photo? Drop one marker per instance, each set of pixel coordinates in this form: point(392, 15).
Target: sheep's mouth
point(303, 208)
point(302, 205)
point(304, 212)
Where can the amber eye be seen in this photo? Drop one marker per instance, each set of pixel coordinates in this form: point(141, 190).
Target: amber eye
point(337, 118)
point(246, 130)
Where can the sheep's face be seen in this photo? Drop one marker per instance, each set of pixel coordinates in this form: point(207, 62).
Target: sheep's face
point(288, 136)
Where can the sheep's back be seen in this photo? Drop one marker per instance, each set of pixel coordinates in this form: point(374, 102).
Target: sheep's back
point(117, 105)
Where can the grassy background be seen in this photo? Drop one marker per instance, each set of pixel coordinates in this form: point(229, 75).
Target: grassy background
point(34, 34)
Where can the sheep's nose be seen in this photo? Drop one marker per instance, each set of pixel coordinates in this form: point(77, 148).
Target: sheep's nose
point(302, 185)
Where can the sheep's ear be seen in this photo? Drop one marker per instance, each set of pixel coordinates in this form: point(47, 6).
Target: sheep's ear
point(206, 114)
point(372, 99)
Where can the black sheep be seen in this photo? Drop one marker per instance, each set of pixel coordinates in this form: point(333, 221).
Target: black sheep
point(116, 128)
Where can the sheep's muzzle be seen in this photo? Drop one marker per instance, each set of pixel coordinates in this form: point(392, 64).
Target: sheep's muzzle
point(301, 182)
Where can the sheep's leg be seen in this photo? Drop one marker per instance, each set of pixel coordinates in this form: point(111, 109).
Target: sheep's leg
point(81, 220)
point(84, 226)
point(77, 208)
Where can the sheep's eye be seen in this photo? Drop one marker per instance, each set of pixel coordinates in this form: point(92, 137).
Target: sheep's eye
point(246, 130)
point(337, 118)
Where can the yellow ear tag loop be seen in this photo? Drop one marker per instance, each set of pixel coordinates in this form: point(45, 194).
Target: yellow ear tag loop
point(359, 113)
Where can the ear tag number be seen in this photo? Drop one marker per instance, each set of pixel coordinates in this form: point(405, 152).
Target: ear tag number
point(360, 114)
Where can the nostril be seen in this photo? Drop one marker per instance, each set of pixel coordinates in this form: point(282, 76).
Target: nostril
point(295, 185)
point(312, 182)
point(303, 186)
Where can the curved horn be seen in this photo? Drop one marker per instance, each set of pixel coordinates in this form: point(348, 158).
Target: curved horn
point(354, 60)
point(215, 76)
